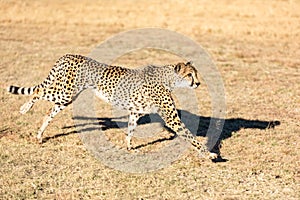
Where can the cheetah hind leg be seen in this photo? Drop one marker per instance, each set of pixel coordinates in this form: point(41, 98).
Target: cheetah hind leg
point(28, 105)
point(48, 118)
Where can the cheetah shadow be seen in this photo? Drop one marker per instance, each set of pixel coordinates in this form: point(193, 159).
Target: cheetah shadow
point(203, 126)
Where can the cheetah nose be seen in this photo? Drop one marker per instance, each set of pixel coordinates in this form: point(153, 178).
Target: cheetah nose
point(197, 84)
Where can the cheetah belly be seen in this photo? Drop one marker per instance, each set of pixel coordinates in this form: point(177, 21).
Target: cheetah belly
point(100, 94)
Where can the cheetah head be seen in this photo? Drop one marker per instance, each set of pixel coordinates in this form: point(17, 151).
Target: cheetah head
point(187, 75)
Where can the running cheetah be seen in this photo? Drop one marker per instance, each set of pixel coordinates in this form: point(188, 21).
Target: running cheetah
point(140, 91)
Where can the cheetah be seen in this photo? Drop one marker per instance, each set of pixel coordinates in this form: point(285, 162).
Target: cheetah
point(139, 91)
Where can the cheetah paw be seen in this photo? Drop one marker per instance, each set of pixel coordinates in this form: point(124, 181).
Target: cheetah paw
point(25, 108)
point(212, 156)
point(129, 148)
point(209, 155)
point(128, 141)
point(39, 139)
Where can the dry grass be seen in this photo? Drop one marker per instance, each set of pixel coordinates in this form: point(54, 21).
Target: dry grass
point(256, 47)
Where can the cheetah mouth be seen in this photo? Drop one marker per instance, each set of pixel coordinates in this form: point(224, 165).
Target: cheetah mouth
point(195, 85)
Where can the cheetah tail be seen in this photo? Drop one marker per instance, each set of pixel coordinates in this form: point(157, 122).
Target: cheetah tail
point(21, 90)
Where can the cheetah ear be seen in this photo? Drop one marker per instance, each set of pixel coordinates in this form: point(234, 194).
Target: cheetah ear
point(190, 63)
point(177, 67)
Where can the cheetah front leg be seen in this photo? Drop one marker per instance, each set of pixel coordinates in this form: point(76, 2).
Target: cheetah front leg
point(132, 123)
point(169, 114)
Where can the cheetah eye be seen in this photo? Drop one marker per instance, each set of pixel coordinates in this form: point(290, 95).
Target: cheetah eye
point(189, 75)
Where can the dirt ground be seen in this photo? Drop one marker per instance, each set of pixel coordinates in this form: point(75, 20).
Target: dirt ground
point(256, 48)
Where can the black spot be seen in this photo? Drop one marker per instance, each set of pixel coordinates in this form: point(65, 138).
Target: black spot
point(13, 89)
point(27, 90)
point(22, 90)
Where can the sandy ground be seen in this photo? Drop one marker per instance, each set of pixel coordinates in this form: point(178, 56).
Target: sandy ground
point(255, 46)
